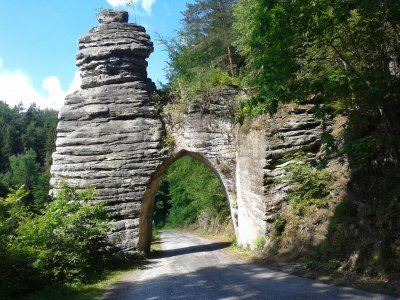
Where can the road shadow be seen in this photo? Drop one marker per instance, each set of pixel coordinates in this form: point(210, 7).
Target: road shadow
point(235, 281)
point(191, 249)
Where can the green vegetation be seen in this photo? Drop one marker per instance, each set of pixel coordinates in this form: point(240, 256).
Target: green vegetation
point(202, 55)
point(27, 141)
point(82, 291)
point(341, 55)
point(309, 185)
point(66, 243)
point(188, 191)
point(308, 198)
point(364, 237)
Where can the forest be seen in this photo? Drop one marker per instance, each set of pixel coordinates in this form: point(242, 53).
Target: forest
point(343, 57)
point(340, 55)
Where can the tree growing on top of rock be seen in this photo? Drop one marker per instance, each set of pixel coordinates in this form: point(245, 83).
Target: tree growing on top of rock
point(202, 55)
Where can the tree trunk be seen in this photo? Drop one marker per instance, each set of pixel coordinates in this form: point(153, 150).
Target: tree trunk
point(230, 61)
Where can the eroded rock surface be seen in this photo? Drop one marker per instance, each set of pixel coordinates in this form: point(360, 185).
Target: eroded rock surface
point(109, 136)
point(259, 165)
point(209, 134)
point(113, 52)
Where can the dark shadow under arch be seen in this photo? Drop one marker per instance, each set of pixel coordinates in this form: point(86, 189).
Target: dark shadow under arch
point(147, 205)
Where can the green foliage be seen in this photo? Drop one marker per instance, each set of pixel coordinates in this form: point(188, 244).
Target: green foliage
point(162, 204)
point(202, 83)
point(363, 236)
point(202, 55)
point(192, 189)
point(27, 141)
point(279, 225)
point(342, 55)
point(259, 243)
point(205, 39)
point(296, 48)
point(169, 141)
point(22, 130)
point(67, 243)
point(309, 185)
point(24, 170)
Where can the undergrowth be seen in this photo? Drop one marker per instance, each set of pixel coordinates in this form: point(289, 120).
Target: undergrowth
point(297, 225)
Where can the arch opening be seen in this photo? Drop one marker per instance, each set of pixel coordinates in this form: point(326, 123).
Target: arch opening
point(148, 202)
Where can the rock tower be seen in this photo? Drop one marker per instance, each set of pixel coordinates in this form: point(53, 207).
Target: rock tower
point(109, 135)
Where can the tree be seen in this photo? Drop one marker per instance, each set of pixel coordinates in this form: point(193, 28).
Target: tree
point(340, 54)
point(192, 189)
point(23, 131)
point(24, 170)
point(203, 47)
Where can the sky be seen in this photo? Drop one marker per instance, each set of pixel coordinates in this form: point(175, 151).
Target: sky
point(38, 44)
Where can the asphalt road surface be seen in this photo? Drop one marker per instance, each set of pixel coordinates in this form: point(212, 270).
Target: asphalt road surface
point(191, 267)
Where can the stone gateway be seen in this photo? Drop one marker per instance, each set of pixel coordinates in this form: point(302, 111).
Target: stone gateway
point(110, 137)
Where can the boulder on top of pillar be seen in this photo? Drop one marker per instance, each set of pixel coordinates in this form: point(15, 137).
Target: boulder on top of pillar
point(113, 52)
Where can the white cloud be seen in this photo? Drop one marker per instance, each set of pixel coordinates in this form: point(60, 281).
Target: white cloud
point(117, 3)
point(75, 84)
point(16, 87)
point(145, 4)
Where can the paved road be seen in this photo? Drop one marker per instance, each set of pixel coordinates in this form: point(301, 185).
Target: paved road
point(193, 268)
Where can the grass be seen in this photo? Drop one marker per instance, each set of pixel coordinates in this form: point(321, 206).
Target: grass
point(297, 268)
point(155, 243)
point(95, 289)
point(80, 291)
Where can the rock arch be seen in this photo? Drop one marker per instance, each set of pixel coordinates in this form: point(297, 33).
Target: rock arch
point(110, 136)
point(146, 212)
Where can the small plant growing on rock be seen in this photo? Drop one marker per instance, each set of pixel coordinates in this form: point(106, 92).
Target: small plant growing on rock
point(259, 243)
point(309, 184)
point(169, 141)
point(279, 225)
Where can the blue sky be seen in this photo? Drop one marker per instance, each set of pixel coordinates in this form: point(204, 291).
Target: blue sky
point(38, 43)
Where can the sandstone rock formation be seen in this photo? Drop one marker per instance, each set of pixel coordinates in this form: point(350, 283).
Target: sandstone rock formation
point(247, 158)
point(109, 136)
point(259, 164)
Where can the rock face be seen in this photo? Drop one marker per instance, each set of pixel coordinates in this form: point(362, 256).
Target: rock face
point(114, 52)
point(109, 135)
point(209, 135)
point(259, 165)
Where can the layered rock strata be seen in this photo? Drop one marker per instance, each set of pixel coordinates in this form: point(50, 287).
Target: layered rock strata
point(209, 135)
point(109, 136)
point(114, 52)
point(259, 165)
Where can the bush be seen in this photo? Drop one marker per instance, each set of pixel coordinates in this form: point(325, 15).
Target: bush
point(279, 225)
point(310, 187)
point(67, 243)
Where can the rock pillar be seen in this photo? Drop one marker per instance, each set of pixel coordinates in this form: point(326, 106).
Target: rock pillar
point(109, 135)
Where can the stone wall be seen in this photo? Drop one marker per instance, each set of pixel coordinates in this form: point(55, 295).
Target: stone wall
point(110, 136)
